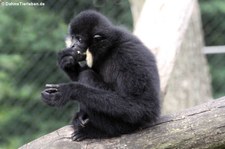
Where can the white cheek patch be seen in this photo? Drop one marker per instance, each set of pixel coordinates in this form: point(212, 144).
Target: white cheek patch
point(89, 58)
point(69, 42)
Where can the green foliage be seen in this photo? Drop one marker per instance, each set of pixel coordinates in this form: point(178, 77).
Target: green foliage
point(213, 14)
point(29, 39)
point(23, 28)
point(216, 65)
point(117, 10)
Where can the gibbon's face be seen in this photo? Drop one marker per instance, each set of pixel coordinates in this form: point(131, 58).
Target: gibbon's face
point(92, 34)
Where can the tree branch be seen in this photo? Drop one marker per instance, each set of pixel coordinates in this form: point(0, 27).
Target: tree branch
point(202, 126)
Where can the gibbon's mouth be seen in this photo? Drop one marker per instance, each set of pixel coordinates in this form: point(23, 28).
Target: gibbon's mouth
point(88, 58)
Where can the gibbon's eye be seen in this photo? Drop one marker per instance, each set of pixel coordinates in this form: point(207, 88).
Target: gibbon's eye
point(98, 37)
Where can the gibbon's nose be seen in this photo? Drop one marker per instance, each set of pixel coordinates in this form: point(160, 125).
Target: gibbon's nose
point(81, 56)
point(73, 46)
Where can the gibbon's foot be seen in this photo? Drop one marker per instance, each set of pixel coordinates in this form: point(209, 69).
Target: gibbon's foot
point(78, 135)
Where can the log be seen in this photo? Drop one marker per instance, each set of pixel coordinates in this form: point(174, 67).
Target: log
point(202, 126)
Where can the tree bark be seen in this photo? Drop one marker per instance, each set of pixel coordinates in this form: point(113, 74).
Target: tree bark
point(136, 7)
point(202, 126)
point(172, 30)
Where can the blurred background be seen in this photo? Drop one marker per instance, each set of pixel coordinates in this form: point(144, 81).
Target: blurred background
point(29, 40)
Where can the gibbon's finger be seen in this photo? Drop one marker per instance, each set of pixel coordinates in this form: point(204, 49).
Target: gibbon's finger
point(51, 90)
point(52, 86)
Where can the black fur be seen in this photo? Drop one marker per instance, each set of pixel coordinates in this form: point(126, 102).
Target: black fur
point(120, 92)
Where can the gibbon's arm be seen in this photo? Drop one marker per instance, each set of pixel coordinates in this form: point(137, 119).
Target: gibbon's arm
point(108, 102)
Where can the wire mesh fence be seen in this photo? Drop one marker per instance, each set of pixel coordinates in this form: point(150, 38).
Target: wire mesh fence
point(213, 14)
point(30, 37)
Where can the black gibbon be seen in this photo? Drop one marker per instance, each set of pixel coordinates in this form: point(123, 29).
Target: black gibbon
point(114, 79)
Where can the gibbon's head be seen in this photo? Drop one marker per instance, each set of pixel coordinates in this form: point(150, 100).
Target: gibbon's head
point(93, 34)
